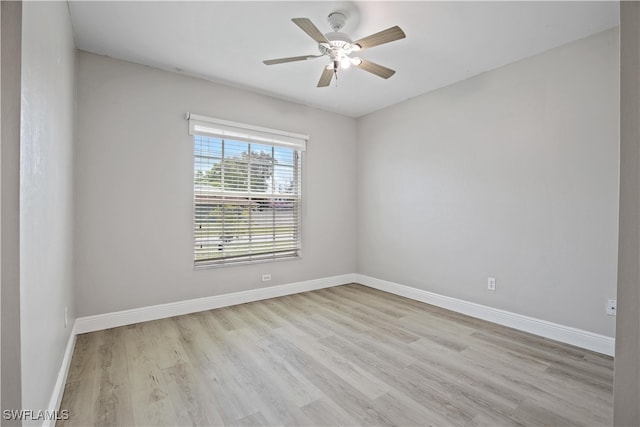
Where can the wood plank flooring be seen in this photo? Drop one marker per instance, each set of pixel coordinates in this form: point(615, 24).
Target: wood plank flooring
point(347, 355)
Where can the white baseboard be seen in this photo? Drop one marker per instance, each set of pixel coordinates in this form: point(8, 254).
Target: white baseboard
point(161, 311)
point(566, 334)
point(58, 389)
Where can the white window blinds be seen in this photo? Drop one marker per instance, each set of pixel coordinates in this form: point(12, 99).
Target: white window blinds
point(247, 192)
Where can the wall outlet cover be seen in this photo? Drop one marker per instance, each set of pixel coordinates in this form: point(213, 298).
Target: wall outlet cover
point(611, 307)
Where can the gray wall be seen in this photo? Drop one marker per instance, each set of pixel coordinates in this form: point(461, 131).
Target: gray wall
point(626, 390)
point(10, 44)
point(511, 174)
point(46, 195)
point(135, 178)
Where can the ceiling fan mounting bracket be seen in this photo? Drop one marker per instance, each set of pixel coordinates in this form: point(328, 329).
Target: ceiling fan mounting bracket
point(336, 20)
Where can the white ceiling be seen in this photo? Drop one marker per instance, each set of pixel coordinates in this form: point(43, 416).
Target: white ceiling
point(226, 42)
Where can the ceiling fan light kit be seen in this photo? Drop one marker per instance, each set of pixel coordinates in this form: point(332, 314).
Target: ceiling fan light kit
point(338, 46)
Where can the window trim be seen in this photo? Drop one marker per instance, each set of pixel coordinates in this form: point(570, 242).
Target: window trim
point(233, 131)
point(226, 129)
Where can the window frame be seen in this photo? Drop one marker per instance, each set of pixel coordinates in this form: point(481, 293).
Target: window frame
point(227, 132)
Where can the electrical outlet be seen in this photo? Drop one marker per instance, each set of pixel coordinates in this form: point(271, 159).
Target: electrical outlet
point(266, 277)
point(66, 317)
point(491, 283)
point(611, 307)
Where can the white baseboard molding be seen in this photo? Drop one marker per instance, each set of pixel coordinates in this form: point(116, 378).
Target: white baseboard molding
point(58, 389)
point(566, 334)
point(161, 311)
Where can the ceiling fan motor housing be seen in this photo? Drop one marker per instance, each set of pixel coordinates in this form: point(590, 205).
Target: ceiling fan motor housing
point(339, 44)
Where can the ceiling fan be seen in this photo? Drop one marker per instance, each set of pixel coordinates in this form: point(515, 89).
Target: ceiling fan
point(338, 46)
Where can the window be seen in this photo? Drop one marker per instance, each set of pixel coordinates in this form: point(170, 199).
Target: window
point(247, 192)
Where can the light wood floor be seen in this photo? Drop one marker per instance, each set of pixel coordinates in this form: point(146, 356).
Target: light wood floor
point(347, 355)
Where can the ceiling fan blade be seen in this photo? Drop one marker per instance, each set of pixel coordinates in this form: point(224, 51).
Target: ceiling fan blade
point(325, 78)
point(290, 59)
point(382, 37)
point(376, 69)
point(307, 26)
